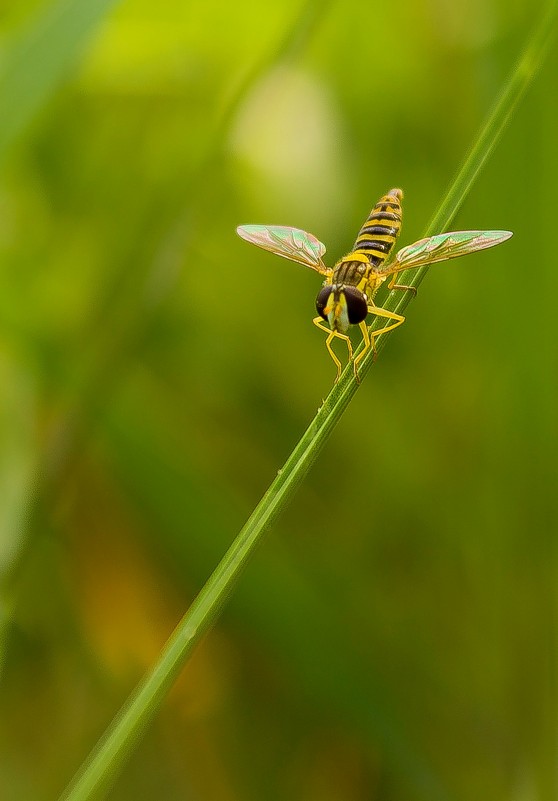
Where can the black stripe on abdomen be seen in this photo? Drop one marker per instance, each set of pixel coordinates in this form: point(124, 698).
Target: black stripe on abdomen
point(374, 244)
point(383, 230)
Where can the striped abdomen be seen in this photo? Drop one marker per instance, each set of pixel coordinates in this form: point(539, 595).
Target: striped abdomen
point(379, 232)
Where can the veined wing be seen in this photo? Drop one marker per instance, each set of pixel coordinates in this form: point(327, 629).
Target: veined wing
point(291, 243)
point(442, 247)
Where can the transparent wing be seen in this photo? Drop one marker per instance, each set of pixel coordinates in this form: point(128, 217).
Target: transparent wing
point(291, 243)
point(442, 247)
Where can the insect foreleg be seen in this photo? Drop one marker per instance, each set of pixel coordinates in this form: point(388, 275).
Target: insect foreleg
point(319, 323)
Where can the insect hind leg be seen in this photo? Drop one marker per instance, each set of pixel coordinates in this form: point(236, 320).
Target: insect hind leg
point(402, 287)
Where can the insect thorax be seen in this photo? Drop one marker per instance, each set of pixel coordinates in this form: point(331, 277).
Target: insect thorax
point(358, 272)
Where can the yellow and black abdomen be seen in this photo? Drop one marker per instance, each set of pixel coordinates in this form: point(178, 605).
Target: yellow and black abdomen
point(381, 229)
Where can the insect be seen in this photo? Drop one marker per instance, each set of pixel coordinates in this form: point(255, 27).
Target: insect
point(347, 295)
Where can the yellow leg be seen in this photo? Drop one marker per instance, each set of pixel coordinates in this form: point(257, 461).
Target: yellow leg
point(379, 312)
point(331, 335)
point(370, 340)
point(403, 287)
point(368, 343)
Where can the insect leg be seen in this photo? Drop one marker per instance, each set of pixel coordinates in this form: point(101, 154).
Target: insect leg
point(379, 312)
point(368, 343)
point(370, 339)
point(319, 323)
point(404, 287)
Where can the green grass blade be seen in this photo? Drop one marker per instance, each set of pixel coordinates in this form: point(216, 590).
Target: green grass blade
point(39, 60)
point(102, 766)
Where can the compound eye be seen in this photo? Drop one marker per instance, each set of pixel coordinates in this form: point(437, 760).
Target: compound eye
point(357, 308)
point(322, 300)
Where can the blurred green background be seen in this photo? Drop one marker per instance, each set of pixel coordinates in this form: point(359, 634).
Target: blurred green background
point(395, 636)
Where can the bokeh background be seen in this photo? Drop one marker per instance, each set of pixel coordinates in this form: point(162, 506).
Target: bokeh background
point(395, 637)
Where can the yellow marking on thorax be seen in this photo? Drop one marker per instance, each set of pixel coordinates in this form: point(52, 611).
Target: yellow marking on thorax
point(379, 254)
point(373, 283)
point(354, 256)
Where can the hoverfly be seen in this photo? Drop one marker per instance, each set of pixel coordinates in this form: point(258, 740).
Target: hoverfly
point(347, 295)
